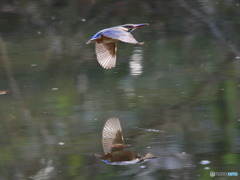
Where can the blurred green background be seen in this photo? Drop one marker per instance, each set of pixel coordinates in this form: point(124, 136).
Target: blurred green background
point(177, 96)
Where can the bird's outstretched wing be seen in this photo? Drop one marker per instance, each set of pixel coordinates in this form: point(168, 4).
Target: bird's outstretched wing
point(112, 135)
point(119, 34)
point(106, 54)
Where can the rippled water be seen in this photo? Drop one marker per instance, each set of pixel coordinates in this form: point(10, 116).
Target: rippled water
point(177, 96)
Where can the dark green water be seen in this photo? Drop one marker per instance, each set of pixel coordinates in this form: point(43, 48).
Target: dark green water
point(177, 96)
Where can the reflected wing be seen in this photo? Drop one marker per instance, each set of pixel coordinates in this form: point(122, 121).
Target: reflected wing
point(112, 134)
point(106, 54)
point(121, 35)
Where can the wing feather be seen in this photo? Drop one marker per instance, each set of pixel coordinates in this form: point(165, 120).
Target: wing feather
point(106, 54)
point(119, 34)
point(112, 134)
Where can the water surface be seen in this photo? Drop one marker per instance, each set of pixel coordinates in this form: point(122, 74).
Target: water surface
point(177, 96)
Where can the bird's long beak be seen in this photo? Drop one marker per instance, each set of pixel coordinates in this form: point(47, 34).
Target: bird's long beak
point(140, 25)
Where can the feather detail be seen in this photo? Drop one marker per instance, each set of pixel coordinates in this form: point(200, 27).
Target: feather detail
point(112, 136)
point(118, 34)
point(106, 54)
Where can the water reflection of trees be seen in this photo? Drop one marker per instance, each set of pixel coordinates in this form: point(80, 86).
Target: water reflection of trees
point(62, 27)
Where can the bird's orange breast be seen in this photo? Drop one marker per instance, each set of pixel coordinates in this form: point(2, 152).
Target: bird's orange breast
point(119, 156)
point(104, 39)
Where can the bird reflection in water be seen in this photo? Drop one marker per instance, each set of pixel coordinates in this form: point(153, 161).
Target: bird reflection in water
point(113, 146)
point(106, 42)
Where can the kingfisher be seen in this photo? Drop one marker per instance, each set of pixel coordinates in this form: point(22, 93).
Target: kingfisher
point(113, 146)
point(106, 42)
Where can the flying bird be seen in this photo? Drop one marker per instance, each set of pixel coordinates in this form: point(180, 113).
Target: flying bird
point(106, 42)
point(113, 146)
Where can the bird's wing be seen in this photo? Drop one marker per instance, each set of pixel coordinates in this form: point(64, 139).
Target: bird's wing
point(106, 54)
point(112, 134)
point(120, 35)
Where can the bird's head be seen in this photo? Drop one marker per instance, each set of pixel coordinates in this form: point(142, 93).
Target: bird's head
point(131, 27)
